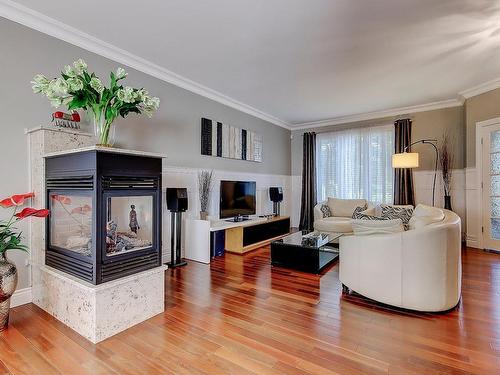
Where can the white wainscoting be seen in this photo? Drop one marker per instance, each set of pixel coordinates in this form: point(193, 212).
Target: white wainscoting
point(188, 177)
point(473, 202)
point(21, 297)
point(423, 191)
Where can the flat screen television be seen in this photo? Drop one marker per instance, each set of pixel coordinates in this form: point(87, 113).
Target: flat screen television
point(237, 198)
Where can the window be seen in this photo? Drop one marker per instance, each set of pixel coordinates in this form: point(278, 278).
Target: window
point(356, 163)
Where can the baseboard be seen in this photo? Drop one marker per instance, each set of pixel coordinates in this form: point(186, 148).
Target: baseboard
point(21, 297)
point(471, 241)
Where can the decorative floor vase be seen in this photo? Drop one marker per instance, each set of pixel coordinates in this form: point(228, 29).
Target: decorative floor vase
point(203, 215)
point(8, 283)
point(447, 202)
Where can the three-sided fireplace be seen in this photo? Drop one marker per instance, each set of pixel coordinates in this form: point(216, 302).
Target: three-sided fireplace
point(105, 220)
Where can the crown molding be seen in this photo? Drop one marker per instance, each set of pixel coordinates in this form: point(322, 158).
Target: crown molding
point(379, 114)
point(480, 89)
point(47, 25)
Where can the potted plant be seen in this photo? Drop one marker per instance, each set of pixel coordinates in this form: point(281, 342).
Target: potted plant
point(204, 185)
point(446, 159)
point(79, 89)
point(10, 239)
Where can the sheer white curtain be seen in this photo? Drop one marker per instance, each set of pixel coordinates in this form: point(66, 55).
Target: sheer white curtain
point(356, 163)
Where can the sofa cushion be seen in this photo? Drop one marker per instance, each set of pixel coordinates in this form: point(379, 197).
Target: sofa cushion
point(334, 225)
point(344, 207)
point(368, 214)
point(325, 210)
point(424, 215)
point(397, 212)
point(369, 227)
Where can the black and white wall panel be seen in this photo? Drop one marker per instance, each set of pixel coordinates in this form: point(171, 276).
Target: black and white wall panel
point(227, 141)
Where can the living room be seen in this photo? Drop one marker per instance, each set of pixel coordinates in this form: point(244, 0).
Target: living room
point(279, 187)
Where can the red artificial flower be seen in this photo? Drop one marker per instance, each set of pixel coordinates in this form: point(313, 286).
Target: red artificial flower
point(28, 211)
point(61, 198)
point(15, 200)
point(81, 210)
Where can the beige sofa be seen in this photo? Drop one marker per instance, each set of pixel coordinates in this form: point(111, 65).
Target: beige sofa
point(342, 210)
point(419, 269)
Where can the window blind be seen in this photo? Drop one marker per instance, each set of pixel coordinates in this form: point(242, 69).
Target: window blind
point(356, 163)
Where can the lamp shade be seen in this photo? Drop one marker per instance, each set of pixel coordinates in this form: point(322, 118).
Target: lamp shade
point(405, 160)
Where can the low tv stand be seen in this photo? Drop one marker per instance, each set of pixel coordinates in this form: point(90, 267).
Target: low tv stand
point(236, 237)
point(255, 233)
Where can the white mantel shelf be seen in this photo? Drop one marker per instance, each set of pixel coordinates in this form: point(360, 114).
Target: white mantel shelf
point(114, 150)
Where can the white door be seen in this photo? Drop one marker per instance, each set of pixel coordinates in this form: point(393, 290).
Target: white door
point(491, 186)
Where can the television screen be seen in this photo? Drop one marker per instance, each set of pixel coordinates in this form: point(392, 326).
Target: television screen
point(237, 198)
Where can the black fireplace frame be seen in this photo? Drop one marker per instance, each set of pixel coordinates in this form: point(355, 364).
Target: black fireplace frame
point(104, 174)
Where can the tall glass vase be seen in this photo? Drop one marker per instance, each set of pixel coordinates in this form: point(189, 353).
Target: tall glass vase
point(103, 130)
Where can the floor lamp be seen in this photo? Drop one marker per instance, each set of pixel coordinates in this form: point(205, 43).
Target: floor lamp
point(410, 160)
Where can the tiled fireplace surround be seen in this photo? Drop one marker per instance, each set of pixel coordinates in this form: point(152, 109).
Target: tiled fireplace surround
point(95, 312)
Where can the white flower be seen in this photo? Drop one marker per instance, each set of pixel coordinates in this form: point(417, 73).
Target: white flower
point(68, 70)
point(56, 102)
point(150, 105)
point(97, 85)
point(120, 73)
point(142, 95)
point(74, 84)
point(57, 87)
point(127, 95)
point(80, 66)
point(40, 83)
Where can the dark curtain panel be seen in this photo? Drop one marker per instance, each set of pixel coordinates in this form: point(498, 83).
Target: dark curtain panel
point(308, 182)
point(403, 177)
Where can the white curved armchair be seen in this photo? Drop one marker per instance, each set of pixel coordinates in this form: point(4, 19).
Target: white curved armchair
point(419, 269)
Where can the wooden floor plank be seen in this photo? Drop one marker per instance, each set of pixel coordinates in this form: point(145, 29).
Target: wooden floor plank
point(239, 315)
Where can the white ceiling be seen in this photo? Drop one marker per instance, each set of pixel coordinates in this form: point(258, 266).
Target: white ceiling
point(304, 60)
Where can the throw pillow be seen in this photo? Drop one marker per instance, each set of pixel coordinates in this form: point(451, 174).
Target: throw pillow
point(326, 210)
point(358, 210)
point(344, 207)
point(397, 212)
point(425, 215)
point(380, 226)
point(361, 213)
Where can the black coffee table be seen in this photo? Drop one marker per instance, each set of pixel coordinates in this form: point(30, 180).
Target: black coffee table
point(308, 253)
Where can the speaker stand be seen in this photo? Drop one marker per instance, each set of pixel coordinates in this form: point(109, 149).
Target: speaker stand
point(175, 240)
point(276, 208)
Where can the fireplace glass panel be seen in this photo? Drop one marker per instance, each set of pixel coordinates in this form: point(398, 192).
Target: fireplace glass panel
point(71, 222)
point(130, 224)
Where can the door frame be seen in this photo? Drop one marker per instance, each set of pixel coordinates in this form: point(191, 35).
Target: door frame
point(481, 127)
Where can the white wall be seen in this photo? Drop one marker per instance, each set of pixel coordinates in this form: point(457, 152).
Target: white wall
point(174, 176)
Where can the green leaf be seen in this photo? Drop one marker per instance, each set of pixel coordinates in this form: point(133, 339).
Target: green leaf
point(79, 101)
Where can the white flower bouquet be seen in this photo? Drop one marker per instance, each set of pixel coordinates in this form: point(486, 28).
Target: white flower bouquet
point(78, 89)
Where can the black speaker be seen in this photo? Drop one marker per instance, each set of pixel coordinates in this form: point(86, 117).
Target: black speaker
point(276, 194)
point(177, 199)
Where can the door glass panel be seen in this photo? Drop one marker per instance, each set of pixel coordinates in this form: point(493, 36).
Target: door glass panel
point(495, 163)
point(495, 207)
point(71, 222)
point(495, 229)
point(130, 224)
point(495, 186)
point(495, 141)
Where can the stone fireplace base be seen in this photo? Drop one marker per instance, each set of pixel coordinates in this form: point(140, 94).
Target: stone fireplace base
point(98, 312)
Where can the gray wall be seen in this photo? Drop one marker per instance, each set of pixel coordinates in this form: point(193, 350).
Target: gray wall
point(174, 129)
point(429, 124)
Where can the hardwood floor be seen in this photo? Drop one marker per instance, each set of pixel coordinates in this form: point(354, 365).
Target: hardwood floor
point(240, 316)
